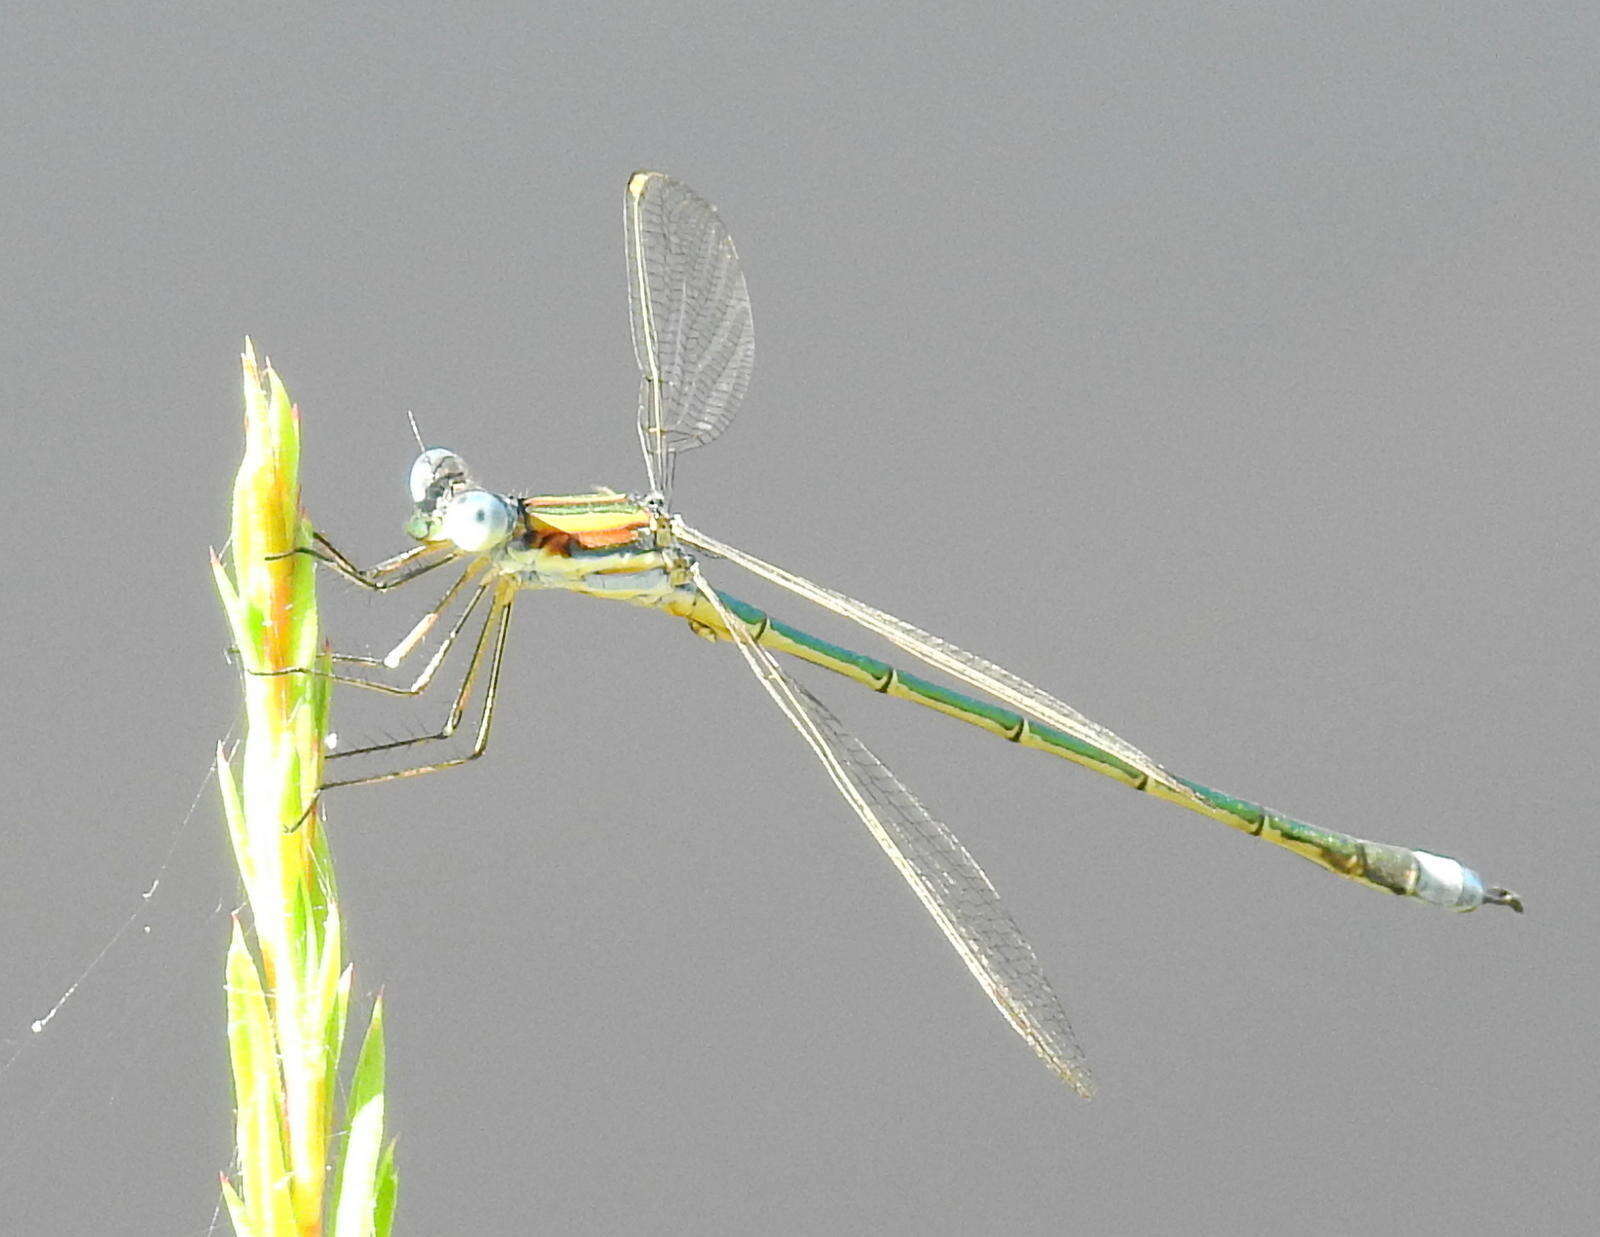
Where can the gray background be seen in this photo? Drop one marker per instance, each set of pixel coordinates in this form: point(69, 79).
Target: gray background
point(1228, 369)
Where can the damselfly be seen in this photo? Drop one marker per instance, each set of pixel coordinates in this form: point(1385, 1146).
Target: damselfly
point(693, 342)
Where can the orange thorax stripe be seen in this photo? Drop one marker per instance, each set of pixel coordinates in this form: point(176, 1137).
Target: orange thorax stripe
point(589, 521)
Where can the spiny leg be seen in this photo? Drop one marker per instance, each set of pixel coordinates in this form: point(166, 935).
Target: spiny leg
point(422, 680)
point(500, 610)
point(409, 643)
point(463, 692)
point(341, 562)
point(331, 556)
point(403, 563)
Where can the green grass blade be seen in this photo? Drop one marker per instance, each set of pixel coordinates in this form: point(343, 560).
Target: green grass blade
point(267, 1205)
point(388, 1192)
point(357, 1193)
point(289, 990)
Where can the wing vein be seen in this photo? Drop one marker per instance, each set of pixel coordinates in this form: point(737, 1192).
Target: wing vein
point(943, 874)
point(692, 333)
point(976, 671)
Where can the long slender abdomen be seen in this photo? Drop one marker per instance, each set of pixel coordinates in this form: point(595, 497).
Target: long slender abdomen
point(1435, 879)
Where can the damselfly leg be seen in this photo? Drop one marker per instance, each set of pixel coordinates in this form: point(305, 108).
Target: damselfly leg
point(499, 621)
point(403, 568)
point(414, 638)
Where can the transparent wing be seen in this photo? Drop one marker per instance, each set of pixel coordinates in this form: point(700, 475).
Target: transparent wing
point(938, 868)
point(691, 319)
point(987, 677)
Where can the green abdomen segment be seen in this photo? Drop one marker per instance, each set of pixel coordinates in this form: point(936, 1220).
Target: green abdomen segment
point(1394, 869)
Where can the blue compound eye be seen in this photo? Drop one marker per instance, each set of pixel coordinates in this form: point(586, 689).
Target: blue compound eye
point(476, 520)
point(433, 472)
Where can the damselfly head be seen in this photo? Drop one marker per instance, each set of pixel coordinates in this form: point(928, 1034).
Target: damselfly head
point(475, 520)
point(450, 508)
point(436, 472)
point(437, 476)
